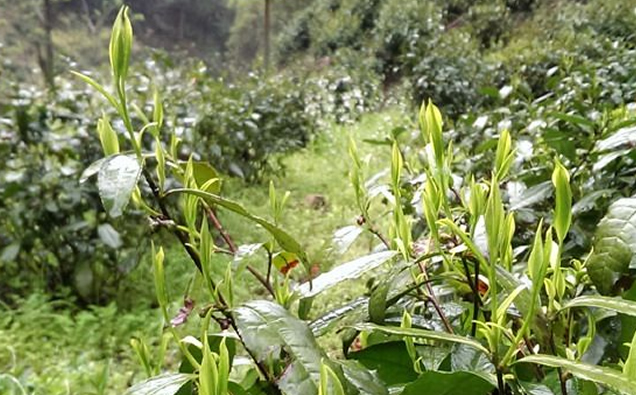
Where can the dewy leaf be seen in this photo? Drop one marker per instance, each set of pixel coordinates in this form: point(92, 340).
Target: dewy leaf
point(322, 324)
point(448, 383)
point(601, 375)
point(614, 245)
point(166, 384)
point(618, 305)
point(265, 327)
point(116, 181)
point(422, 333)
point(344, 272)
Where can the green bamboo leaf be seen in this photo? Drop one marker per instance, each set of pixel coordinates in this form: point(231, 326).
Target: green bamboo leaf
point(116, 181)
point(618, 305)
point(601, 375)
point(166, 384)
point(422, 333)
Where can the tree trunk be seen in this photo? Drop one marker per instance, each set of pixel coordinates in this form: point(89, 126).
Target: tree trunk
point(46, 63)
point(268, 4)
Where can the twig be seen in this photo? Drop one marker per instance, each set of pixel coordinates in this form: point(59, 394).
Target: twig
point(434, 301)
point(474, 286)
point(197, 261)
point(217, 224)
point(233, 249)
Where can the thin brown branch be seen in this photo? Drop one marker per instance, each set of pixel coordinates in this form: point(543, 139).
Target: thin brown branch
point(434, 301)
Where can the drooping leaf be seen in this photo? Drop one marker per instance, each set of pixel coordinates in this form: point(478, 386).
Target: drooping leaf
point(116, 181)
point(287, 242)
point(465, 358)
point(422, 333)
point(448, 383)
point(390, 360)
point(265, 326)
point(614, 245)
point(618, 305)
point(598, 374)
point(165, 384)
point(344, 272)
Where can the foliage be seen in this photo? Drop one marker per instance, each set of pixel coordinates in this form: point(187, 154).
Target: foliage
point(459, 277)
point(54, 237)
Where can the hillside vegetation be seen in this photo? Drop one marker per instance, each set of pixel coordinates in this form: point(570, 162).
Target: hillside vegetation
point(407, 196)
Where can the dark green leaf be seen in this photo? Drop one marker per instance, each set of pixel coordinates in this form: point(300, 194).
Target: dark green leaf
point(614, 246)
point(265, 326)
point(391, 361)
point(448, 383)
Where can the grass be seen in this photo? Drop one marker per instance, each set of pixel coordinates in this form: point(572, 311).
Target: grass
point(48, 347)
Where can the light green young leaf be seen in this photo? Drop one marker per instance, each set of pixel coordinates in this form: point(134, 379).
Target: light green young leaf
point(504, 156)
point(99, 88)
point(424, 334)
point(107, 136)
point(618, 305)
point(601, 375)
point(563, 209)
point(121, 44)
point(629, 369)
point(208, 374)
point(329, 382)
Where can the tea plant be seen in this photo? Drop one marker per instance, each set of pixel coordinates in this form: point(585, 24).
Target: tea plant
point(462, 308)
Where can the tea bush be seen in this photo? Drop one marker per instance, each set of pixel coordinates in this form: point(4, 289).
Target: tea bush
point(466, 302)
